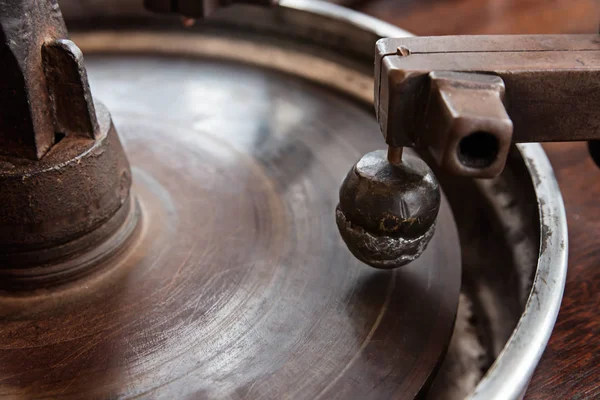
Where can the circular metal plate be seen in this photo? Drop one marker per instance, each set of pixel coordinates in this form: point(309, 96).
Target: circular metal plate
point(238, 285)
point(512, 228)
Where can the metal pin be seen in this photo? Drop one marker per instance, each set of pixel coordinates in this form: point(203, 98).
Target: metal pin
point(403, 51)
point(394, 155)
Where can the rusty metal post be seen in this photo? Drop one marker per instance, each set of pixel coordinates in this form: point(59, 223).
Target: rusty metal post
point(26, 126)
point(64, 175)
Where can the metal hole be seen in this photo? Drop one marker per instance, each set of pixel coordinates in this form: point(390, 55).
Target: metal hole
point(478, 150)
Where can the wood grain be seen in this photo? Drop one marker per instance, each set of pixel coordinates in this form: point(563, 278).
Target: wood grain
point(570, 367)
point(454, 17)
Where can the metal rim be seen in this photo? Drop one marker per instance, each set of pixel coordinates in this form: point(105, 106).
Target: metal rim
point(510, 373)
point(509, 376)
point(356, 19)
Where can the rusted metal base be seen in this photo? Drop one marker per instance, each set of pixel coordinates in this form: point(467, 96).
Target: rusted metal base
point(58, 265)
point(63, 207)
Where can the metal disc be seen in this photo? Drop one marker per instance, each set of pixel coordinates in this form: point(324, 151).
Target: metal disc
point(238, 284)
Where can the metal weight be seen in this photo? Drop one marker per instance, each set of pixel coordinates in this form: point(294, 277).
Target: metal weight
point(387, 209)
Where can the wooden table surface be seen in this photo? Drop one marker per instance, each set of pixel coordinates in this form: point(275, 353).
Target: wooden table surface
point(570, 367)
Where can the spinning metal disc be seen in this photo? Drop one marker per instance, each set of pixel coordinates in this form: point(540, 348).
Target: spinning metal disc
point(237, 283)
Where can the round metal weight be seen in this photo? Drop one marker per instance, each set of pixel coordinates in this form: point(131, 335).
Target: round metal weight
point(387, 212)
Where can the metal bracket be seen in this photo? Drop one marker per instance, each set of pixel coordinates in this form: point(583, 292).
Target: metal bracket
point(546, 86)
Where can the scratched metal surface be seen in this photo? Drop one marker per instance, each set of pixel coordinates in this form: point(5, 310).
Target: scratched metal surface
point(238, 285)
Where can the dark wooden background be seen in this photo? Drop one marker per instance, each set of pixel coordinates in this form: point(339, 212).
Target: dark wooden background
point(570, 367)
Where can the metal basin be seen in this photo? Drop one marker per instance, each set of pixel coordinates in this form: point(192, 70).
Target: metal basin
point(512, 229)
